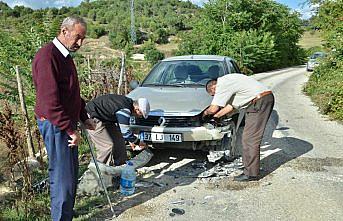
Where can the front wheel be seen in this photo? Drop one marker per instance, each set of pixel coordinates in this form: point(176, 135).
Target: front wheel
point(228, 143)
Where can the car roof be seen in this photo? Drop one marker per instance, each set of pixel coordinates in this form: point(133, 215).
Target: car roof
point(197, 57)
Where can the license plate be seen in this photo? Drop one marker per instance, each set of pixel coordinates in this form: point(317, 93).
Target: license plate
point(161, 137)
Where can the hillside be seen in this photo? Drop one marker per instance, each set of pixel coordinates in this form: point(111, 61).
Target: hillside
point(154, 20)
point(311, 39)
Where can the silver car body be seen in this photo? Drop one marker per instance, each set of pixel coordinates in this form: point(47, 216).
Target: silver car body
point(177, 110)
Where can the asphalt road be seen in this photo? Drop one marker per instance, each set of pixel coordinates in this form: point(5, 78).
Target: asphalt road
point(302, 167)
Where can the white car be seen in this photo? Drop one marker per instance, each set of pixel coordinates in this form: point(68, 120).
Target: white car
point(314, 60)
point(175, 88)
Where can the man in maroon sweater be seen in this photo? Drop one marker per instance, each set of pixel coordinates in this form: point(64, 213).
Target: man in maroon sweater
point(58, 109)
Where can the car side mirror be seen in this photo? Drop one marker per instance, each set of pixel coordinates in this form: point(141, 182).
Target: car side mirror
point(134, 84)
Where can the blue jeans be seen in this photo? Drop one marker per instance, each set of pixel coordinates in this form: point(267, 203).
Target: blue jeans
point(63, 170)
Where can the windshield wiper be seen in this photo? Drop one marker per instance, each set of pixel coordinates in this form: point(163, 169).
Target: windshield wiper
point(164, 85)
point(193, 84)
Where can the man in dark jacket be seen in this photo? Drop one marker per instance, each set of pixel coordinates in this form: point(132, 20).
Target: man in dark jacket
point(111, 114)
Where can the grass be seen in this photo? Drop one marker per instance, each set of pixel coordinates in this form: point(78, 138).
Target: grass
point(311, 39)
point(168, 49)
point(99, 48)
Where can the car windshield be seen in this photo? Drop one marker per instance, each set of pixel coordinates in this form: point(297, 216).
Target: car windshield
point(317, 55)
point(184, 73)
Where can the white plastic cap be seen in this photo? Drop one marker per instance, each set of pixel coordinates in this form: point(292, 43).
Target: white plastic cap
point(144, 106)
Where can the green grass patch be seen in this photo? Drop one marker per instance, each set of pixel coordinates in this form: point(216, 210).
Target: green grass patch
point(311, 39)
point(38, 208)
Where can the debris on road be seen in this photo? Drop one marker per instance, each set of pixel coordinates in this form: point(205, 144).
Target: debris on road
point(214, 156)
point(178, 211)
point(144, 184)
point(182, 201)
point(208, 197)
point(90, 183)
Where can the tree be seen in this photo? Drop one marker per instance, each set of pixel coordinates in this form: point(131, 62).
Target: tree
point(261, 35)
point(152, 55)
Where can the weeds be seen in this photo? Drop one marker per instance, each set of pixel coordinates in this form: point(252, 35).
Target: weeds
point(17, 161)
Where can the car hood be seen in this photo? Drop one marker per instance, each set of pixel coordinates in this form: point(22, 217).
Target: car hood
point(170, 101)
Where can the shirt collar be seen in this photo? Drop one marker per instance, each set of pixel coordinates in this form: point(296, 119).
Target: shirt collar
point(60, 47)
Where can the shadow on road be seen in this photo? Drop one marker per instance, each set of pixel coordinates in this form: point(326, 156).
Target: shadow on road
point(278, 147)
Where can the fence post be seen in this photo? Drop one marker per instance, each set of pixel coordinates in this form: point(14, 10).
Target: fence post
point(121, 72)
point(30, 148)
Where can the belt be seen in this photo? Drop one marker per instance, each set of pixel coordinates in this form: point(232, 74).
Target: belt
point(259, 96)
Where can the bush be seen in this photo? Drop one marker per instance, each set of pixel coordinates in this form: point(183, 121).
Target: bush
point(152, 55)
point(96, 31)
point(325, 85)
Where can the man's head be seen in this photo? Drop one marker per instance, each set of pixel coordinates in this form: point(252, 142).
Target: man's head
point(211, 87)
point(72, 33)
point(141, 107)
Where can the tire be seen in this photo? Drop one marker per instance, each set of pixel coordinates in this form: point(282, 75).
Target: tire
point(228, 142)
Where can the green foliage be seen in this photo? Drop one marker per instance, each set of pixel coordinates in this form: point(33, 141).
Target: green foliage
point(119, 35)
point(159, 18)
point(96, 31)
point(326, 89)
point(152, 55)
point(26, 39)
point(325, 85)
point(260, 35)
point(38, 209)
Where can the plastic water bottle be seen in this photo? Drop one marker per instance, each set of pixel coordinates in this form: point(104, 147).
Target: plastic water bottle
point(128, 179)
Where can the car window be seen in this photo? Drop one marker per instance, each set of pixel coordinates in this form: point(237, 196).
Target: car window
point(233, 68)
point(184, 72)
point(317, 55)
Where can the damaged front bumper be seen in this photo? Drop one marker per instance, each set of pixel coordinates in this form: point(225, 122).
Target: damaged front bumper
point(182, 137)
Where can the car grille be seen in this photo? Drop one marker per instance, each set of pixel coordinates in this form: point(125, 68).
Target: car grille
point(174, 121)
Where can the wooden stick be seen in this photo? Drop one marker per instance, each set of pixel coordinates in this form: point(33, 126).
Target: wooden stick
point(30, 148)
point(121, 73)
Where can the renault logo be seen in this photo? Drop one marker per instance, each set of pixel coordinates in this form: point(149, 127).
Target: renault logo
point(161, 121)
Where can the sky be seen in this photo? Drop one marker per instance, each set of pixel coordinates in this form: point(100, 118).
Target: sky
point(35, 4)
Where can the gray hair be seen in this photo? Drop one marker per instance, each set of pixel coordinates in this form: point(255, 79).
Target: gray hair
point(70, 21)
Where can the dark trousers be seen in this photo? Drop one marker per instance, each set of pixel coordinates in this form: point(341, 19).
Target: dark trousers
point(63, 170)
point(109, 143)
point(256, 119)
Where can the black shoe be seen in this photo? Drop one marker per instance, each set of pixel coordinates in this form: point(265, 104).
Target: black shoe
point(245, 178)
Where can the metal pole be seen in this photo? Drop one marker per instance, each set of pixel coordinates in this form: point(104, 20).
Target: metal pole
point(90, 144)
point(133, 32)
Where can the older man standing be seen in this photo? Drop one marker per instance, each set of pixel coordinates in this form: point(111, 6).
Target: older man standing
point(238, 91)
point(58, 109)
